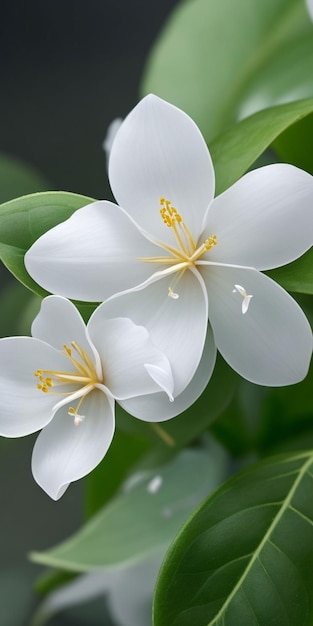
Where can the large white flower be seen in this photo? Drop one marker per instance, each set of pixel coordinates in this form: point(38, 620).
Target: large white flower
point(65, 378)
point(181, 256)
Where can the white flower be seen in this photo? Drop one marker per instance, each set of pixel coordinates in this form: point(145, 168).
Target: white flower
point(181, 257)
point(65, 378)
point(309, 4)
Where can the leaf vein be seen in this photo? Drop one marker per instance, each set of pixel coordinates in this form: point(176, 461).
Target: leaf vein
point(277, 518)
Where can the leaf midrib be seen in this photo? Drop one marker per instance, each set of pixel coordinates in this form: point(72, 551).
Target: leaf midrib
point(266, 537)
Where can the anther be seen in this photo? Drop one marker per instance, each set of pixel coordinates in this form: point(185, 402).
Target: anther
point(78, 419)
point(169, 213)
point(172, 294)
point(246, 298)
point(210, 242)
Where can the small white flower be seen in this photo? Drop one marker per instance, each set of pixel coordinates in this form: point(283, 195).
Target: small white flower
point(176, 253)
point(65, 379)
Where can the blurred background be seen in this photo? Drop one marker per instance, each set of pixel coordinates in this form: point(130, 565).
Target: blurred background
point(67, 70)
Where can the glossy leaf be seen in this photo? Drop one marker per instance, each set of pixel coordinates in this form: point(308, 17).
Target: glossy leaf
point(143, 517)
point(235, 150)
point(25, 219)
point(222, 61)
point(245, 556)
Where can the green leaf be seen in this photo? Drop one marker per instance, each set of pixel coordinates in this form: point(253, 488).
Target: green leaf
point(140, 519)
point(124, 451)
point(295, 144)
point(222, 61)
point(52, 579)
point(235, 150)
point(25, 219)
point(18, 178)
point(245, 556)
point(296, 276)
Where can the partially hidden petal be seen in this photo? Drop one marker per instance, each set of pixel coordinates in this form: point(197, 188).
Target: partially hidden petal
point(160, 376)
point(126, 351)
point(159, 152)
point(266, 339)
point(264, 220)
point(157, 408)
point(59, 322)
point(65, 452)
point(92, 255)
point(25, 408)
point(177, 326)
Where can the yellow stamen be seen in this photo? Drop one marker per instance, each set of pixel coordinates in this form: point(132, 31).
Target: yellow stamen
point(173, 219)
point(187, 253)
point(83, 376)
point(172, 294)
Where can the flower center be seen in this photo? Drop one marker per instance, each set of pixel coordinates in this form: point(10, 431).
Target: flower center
point(83, 375)
point(187, 253)
point(187, 249)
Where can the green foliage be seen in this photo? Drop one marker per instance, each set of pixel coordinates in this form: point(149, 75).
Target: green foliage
point(104, 481)
point(245, 556)
point(139, 520)
point(296, 276)
point(18, 309)
point(261, 421)
point(235, 150)
point(243, 70)
point(172, 435)
point(25, 219)
point(222, 61)
point(295, 144)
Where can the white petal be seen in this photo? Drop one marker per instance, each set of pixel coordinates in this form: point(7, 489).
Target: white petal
point(110, 136)
point(64, 452)
point(264, 220)
point(24, 408)
point(160, 376)
point(92, 255)
point(125, 350)
point(177, 326)
point(157, 408)
point(59, 322)
point(271, 344)
point(160, 152)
